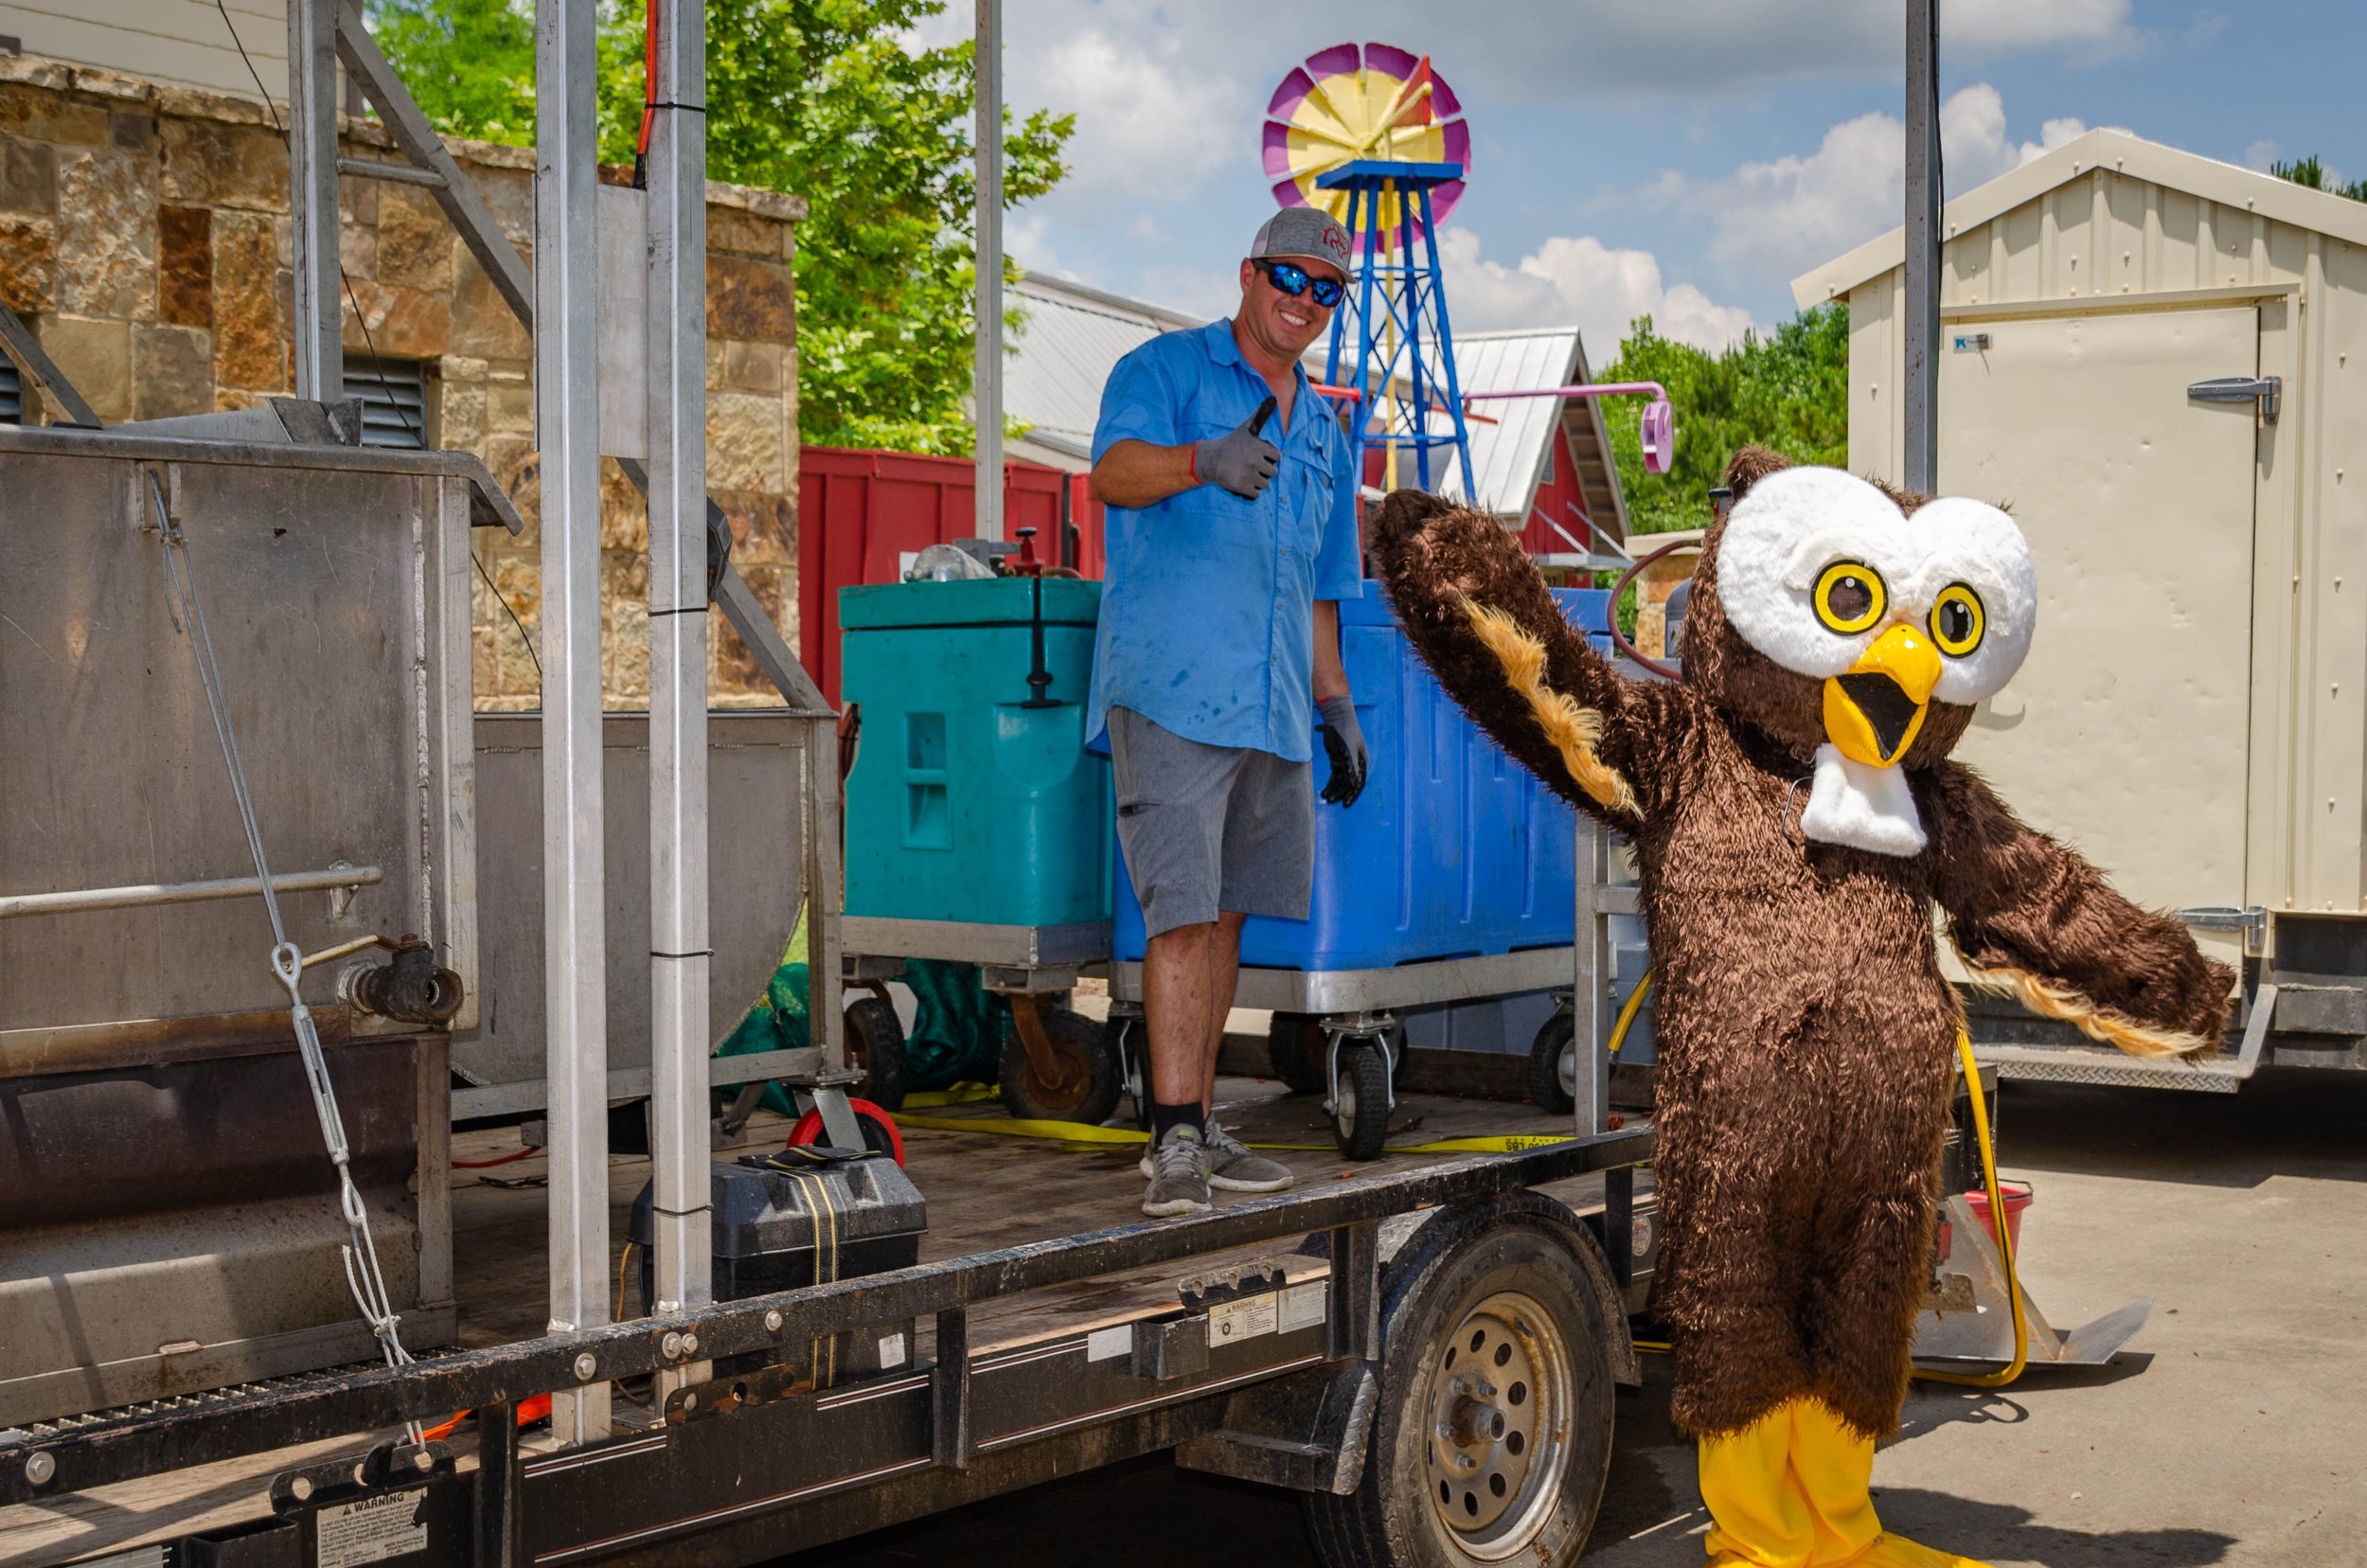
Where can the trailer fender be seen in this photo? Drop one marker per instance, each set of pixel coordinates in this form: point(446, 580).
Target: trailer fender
point(1309, 1432)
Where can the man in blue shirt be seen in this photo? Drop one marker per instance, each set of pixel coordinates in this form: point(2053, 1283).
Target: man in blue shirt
point(1231, 532)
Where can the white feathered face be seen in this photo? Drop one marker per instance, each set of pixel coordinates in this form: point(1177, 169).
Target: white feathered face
point(1823, 574)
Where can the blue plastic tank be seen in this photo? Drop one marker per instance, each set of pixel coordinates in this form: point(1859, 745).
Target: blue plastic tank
point(1452, 850)
point(966, 803)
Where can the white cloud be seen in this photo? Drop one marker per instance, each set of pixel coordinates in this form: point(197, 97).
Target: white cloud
point(1776, 219)
point(1150, 122)
point(2260, 155)
point(1580, 280)
point(1026, 240)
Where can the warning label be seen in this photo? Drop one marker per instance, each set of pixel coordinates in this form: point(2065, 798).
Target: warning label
point(1303, 1304)
point(392, 1524)
point(1245, 1318)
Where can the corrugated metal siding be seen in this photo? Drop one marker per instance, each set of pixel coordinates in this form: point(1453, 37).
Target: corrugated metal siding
point(11, 395)
point(2107, 240)
point(1062, 358)
point(1508, 455)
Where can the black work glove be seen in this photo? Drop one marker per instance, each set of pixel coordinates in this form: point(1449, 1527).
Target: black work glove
point(1344, 743)
point(1240, 460)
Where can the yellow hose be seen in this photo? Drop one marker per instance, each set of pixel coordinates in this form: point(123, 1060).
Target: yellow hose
point(1627, 1014)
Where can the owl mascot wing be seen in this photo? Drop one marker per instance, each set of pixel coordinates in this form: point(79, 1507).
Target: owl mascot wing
point(1794, 817)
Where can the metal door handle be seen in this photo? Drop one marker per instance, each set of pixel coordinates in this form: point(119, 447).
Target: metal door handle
point(2267, 389)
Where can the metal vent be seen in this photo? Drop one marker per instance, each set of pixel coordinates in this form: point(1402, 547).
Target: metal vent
point(393, 394)
point(11, 395)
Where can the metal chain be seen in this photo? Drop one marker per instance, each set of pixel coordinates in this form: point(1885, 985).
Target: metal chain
point(364, 1277)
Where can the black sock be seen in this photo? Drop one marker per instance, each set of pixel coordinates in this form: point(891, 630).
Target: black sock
point(1163, 1116)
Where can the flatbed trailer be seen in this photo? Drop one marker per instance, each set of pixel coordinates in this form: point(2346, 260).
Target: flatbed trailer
point(1295, 1339)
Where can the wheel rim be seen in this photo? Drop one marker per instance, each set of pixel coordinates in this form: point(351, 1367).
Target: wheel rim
point(1499, 1412)
point(1343, 1097)
point(1567, 1066)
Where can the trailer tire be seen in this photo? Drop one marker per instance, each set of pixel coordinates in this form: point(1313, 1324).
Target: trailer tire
point(1495, 1327)
point(1296, 1048)
point(1359, 1102)
point(1550, 1065)
point(876, 1037)
point(1091, 1088)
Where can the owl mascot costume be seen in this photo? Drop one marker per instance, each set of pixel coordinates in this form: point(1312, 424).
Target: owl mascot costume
point(1794, 817)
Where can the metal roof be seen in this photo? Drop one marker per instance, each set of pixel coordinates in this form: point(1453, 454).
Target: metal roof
point(1073, 338)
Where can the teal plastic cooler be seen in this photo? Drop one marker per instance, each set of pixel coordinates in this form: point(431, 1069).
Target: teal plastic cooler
point(966, 803)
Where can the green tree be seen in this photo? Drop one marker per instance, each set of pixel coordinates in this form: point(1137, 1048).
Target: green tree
point(1788, 390)
point(815, 96)
point(2310, 171)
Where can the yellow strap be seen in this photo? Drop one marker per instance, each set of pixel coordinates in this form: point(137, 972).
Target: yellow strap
point(958, 1093)
point(2003, 1232)
point(1078, 1132)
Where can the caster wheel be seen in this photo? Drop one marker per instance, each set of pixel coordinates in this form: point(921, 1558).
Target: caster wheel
point(1359, 1102)
point(1079, 1084)
point(1493, 1433)
point(875, 1043)
point(1296, 1047)
point(1554, 1065)
point(880, 1135)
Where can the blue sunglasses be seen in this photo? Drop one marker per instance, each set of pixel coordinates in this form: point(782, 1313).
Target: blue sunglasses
point(1293, 279)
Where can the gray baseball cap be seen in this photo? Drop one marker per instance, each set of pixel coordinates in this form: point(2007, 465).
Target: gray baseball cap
point(1303, 232)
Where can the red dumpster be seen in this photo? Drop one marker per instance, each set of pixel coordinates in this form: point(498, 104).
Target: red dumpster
point(862, 516)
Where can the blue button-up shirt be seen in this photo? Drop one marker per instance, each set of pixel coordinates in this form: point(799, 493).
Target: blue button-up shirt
point(1207, 606)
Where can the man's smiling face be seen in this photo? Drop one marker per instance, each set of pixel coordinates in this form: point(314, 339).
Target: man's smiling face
point(1285, 325)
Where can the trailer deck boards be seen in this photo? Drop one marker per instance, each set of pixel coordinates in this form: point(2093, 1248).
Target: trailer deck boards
point(983, 1193)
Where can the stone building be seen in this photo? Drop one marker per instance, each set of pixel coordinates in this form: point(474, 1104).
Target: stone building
point(144, 235)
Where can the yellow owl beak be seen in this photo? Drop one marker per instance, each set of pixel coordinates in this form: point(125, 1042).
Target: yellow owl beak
point(1874, 712)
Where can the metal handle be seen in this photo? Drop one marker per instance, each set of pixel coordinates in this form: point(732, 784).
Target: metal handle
point(142, 895)
point(2268, 389)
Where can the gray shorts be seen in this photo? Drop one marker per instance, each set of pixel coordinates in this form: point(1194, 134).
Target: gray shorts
point(1210, 827)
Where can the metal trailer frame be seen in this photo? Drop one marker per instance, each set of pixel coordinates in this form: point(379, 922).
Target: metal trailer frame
point(775, 1459)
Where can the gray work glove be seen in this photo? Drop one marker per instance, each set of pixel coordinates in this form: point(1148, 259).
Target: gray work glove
point(1240, 460)
point(1344, 743)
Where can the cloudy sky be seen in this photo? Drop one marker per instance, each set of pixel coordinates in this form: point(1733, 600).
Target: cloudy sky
point(1683, 157)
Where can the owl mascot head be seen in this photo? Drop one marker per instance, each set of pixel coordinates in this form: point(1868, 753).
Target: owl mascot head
point(1794, 815)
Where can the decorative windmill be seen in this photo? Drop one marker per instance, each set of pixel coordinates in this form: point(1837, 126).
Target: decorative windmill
point(1372, 135)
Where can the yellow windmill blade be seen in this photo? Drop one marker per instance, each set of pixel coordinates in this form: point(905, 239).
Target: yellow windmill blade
point(1355, 101)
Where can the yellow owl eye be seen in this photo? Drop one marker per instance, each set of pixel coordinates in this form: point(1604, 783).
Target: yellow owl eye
point(1850, 597)
point(1958, 620)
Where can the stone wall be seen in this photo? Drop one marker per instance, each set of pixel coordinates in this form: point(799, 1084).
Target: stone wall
point(144, 233)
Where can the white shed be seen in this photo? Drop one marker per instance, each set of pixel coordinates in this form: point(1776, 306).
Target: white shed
point(2194, 711)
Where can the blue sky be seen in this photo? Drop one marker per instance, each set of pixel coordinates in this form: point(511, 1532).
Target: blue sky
point(1686, 157)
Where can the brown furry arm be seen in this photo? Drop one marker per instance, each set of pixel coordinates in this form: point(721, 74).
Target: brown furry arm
point(2042, 922)
point(1482, 618)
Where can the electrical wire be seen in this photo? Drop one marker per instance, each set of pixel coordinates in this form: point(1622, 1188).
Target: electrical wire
point(527, 1153)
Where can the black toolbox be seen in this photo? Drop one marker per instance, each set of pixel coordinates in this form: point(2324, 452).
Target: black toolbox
point(805, 1217)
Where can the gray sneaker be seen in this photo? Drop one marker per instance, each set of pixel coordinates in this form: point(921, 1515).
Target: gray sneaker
point(1234, 1166)
point(1179, 1175)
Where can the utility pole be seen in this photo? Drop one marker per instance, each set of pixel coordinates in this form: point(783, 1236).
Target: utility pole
point(1920, 383)
point(985, 379)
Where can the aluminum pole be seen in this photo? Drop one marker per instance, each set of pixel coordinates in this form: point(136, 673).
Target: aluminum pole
point(313, 198)
point(985, 377)
point(1920, 382)
point(567, 422)
point(679, 954)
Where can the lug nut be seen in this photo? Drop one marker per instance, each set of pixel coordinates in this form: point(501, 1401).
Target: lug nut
point(690, 1345)
point(40, 1468)
point(773, 1321)
point(671, 1345)
point(585, 1366)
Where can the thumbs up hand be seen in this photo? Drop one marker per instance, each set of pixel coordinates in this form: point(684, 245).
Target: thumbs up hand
point(1240, 460)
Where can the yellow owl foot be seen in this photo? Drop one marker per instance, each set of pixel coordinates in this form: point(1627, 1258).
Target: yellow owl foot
point(1792, 1490)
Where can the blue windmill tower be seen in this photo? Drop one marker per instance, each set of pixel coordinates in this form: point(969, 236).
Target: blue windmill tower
point(1372, 135)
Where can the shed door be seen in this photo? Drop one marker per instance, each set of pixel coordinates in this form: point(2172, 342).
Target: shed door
point(2126, 731)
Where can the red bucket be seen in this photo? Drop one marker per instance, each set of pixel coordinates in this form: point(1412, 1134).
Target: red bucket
point(2018, 1197)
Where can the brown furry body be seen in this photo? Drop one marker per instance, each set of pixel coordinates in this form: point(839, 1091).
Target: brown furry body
point(1806, 1034)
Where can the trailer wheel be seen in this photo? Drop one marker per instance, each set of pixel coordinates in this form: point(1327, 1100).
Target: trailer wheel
point(1083, 1084)
point(1296, 1047)
point(1360, 1101)
point(1552, 1064)
point(1491, 1438)
point(875, 1037)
